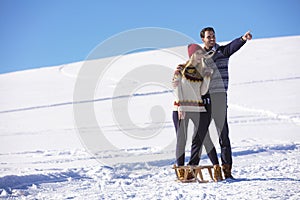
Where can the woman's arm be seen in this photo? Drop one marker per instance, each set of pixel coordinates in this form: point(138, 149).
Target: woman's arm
point(178, 91)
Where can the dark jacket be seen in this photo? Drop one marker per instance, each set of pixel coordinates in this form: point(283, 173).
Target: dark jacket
point(219, 63)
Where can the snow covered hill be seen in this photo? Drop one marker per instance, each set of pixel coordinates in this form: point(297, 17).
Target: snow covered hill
point(127, 152)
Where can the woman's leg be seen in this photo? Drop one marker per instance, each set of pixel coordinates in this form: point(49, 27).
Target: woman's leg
point(181, 136)
point(211, 150)
point(198, 137)
point(175, 120)
point(202, 138)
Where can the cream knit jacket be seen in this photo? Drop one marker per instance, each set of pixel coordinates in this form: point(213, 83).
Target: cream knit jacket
point(192, 84)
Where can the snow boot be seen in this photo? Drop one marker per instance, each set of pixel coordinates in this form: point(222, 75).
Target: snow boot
point(180, 173)
point(217, 173)
point(191, 174)
point(185, 174)
point(227, 171)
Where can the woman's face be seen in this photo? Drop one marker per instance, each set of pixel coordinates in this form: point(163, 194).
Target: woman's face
point(198, 55)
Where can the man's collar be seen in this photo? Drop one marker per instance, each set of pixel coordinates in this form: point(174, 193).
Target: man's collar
point(214, 48)
point(210, 49)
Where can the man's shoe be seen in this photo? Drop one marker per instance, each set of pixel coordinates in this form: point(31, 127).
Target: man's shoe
point(227, 171)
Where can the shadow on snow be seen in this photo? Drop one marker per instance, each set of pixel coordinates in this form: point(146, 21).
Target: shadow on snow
point(23, 182)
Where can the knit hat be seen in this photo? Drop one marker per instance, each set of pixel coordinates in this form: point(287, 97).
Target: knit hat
point(192, 48)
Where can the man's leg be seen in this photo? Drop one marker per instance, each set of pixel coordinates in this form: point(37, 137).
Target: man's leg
point(219, 114)
point(226, 154)
point(208, 144)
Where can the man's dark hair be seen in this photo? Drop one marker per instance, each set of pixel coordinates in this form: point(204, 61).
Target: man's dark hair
point(202, 33)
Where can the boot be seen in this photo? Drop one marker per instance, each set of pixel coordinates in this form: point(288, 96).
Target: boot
point(180, 173)
point(227, 171)
point(191, 174)
point(217, 173)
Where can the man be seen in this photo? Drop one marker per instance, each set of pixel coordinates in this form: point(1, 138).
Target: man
point(218, 89)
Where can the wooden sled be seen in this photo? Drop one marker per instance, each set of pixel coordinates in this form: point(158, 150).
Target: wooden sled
point(187, 174)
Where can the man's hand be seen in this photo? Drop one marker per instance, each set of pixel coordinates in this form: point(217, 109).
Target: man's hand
point(207, 71)
point(247, 36)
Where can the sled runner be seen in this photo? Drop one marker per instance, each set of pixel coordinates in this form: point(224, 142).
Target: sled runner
point(187, 174)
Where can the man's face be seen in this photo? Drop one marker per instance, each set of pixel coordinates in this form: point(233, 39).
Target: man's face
point(209, 39)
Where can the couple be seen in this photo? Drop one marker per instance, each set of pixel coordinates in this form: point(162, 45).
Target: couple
point(201, 89)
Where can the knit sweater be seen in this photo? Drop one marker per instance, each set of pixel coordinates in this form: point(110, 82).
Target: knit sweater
point(191, 85)
point(219, 63)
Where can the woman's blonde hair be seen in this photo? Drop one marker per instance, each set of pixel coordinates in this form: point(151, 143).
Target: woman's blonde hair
point(192, 58)
point(200, 65)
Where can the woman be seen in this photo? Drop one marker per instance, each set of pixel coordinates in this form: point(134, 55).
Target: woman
point(193, 81)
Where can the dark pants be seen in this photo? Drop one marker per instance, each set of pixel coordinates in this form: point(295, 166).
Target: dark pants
point(201, 123)
point(217, 110)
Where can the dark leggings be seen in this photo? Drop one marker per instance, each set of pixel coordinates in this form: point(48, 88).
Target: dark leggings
point(201, 122)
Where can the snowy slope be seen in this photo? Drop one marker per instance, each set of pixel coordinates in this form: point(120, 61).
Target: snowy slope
point(45, 155)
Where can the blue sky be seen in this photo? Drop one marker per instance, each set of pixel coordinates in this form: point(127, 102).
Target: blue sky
point(35, 33)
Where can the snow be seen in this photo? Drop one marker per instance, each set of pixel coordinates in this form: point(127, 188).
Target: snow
point(45, 154)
